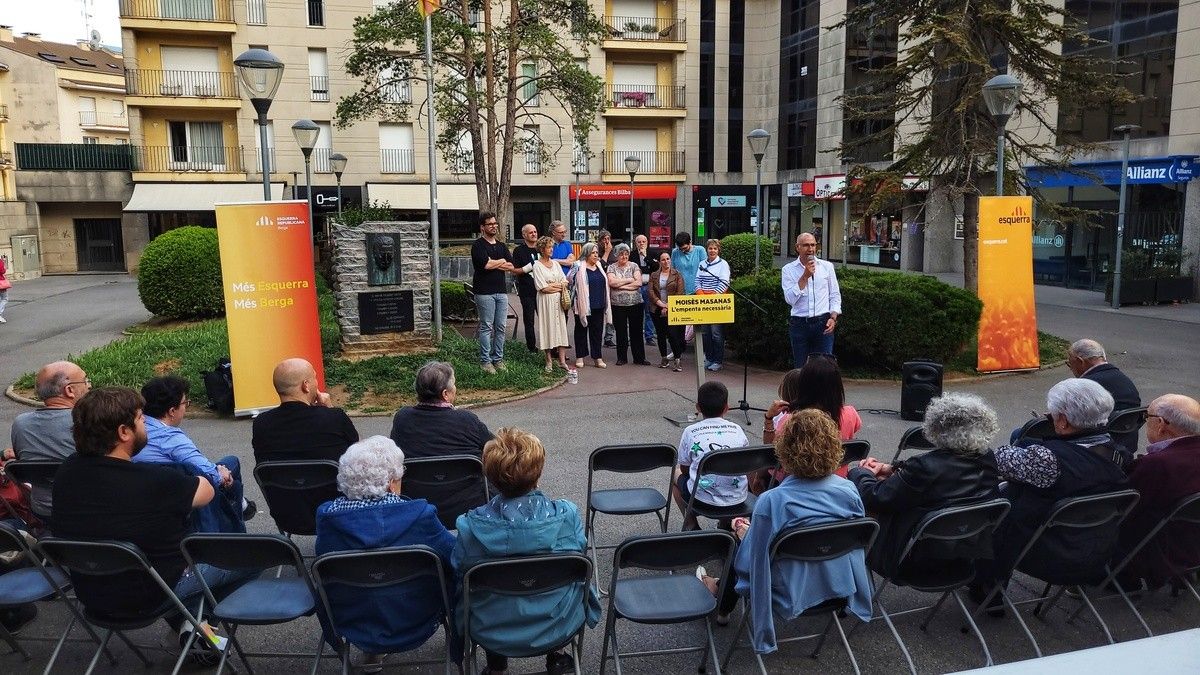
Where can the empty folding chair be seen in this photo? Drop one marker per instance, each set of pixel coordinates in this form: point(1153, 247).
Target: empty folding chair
point(294, 490)
point(525, 576)
point(673, 596)
point(1038, 428)
point(1093, 516)
point(454, 484)
point(944, 528)
point(913, 439)
point(264, 601)
point(730, 462)
point(855, 451)
point(415, 570)
point(1123, 425)
point(636, 458)
point(116, 564)
point(814, 544)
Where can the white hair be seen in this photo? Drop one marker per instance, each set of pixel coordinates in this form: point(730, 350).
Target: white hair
point(368, 466)
point(1174, 409)
point(587, 250)
point(1088, 349)
point(621, 248)
point(961, 423)
point(1084, 403)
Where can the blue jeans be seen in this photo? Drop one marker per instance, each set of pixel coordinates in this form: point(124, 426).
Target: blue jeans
point(808, 337)
point(493, 318)
point(220, 581)
point(714, 343)
point(647, 320)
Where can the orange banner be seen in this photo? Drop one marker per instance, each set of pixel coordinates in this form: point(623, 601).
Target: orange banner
point(270, 296)
point(1008, 327)
point(427, 7)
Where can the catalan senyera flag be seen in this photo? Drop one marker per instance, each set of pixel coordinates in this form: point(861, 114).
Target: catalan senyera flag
point(270, 296)
point(427, 7)
point(1008, 326)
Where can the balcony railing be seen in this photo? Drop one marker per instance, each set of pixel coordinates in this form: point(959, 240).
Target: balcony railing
point(202, 158)
point(462, 163)
point(320, 160)
point(320, 87)
point(92, 118)
point(3, 112)
point(256, 12)
point(644, 96)
point(654, 162)
point(316, 12)
point(396, 160)
point(178, 10)
point(258, 164)
point(180, 83)
point(646, 29)
point(74, 157)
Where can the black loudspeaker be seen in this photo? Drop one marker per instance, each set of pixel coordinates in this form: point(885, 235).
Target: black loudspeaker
point(920, 381)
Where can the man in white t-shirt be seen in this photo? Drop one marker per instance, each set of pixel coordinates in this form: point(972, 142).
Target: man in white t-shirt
point(714, 432)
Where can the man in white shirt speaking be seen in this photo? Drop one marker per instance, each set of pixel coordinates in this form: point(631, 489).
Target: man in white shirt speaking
point(810, 287)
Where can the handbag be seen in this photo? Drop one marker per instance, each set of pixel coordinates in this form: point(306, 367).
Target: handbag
point(5, 284)
point(564, 299)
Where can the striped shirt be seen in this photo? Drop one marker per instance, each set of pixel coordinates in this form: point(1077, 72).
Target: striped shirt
point(713, 276)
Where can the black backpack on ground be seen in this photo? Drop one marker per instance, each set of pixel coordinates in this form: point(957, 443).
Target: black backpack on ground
point(218, 387)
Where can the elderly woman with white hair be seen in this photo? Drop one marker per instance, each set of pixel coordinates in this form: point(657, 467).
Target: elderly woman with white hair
point(624, 286)
point(960, 470)
point(372, 514)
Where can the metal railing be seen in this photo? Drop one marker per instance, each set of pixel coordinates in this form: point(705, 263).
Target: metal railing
point(644, 96)
point(3, 111)
point(256, 12)
point(462, 163)
point(316, 12)
point(258, 164)
point(396, 92)
point(320, 87)
point(179, 10)
point(397, 160)
point(202, 158)
point(92, 118)
point(180, 83)
point(74, 157)
point(646, 29)
point(654, 162)
point(320, 160)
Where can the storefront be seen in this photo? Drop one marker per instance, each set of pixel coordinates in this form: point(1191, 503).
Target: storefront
point(458, 217)
point(721, 210)
point(875, 237)
point(325, 202)
point(1077, 248)
point(607, 207)
point(804, 214)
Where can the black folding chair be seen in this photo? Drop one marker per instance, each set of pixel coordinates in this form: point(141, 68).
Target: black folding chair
point(913, 439)
point(37, 473)
point(294, 490)
point(1090, 514)
point(526, 576)
point(670, 597)
point(106, 560)
point(373, 571)
point(730, 462)
point(855, 451)
point(1037, 428)
point(259, 602)
point(1126, 421)
point(814, 544)
point(454, 484)
point(636, 458)
point(943, 528)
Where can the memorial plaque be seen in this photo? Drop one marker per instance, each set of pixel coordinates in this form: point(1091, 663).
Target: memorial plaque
point(383, 259)
point(385, 312)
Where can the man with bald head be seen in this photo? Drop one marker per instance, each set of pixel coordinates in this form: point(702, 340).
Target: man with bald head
point(1086, 359)
point(523, 255)
point(810, 287)
point(1168, 472)
point(304, 426)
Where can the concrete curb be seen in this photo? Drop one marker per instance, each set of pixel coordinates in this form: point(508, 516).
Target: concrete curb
point(481, 404)
point(11, 393)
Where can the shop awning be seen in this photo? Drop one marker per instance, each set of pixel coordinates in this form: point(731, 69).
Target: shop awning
point(195, 196)
point(415, 196)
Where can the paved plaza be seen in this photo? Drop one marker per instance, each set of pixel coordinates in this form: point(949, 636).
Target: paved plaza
point(55, 316)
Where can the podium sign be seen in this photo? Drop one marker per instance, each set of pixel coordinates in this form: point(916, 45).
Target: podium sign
point(700, 310)
point(1008, 337)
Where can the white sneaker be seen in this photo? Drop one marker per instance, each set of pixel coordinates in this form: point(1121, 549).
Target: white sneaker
point(3, 320)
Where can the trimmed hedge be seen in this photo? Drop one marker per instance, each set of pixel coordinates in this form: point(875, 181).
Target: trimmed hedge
point(888, 318)
point(454, 301)
point(738, 251)
point(179, 275)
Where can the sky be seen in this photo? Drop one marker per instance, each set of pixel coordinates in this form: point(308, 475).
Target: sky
point(62, 20)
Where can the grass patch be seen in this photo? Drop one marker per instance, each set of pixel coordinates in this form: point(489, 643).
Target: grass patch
point(1051, 349)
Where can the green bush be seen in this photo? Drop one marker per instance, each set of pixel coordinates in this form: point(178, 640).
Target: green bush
point(454, 301)
point(179, 276)
point(738, 251)
point(888, 318)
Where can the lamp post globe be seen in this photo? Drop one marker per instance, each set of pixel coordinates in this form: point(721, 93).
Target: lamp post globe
point(306, 133)
point(337, 162)
point(758, 139)
point(260, 72)
point(1001, 94)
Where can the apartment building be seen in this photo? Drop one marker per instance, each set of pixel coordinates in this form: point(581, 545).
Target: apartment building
point(62, 115)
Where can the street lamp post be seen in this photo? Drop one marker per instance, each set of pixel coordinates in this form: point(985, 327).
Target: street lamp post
point(580, 168)
point(1001, 94)
point(260, 72)
point(1125, 130)
point(759, 139)
point(632, 164)
point(306, 133)
point(337, 161)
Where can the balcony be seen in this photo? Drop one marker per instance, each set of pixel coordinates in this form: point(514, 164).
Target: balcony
point(181, 88)
point(73, 157)
point(3, 112)
point(258, 163)
point(320, 87)
point(644, 100)
point(656, 165)
point(188, 158)
point(397, 160)
point(635, 33)
point(320, 160)
point(211, 16)
point(99, 121)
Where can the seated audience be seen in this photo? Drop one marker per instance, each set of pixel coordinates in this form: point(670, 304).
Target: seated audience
point(522, 521)
point(713, 432)
point(809, 450)
point(1080, 459)
point(1086, 359)
point(1168, 472)
point(372, 514)
point(817, 385)
point(304, 426)
point(166, 405)
point(434, 427)
point(960, 470)
point(45, 434)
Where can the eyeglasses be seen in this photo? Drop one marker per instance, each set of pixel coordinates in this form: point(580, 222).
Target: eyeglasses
point(85, 380)
point(1160, 417)
point(185, 402)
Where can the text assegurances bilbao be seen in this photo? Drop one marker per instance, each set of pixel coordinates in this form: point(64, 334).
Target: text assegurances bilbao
point(267, 294)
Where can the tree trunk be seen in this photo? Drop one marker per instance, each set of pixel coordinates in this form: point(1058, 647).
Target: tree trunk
point(971, 242)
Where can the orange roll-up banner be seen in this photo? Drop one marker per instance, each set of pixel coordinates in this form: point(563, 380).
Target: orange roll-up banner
point(270, 296)
point(1008, 327)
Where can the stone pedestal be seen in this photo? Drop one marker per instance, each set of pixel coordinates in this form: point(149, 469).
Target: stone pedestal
point(352, 262)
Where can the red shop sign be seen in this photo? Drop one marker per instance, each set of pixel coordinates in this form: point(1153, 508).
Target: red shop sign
point(598, 192)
